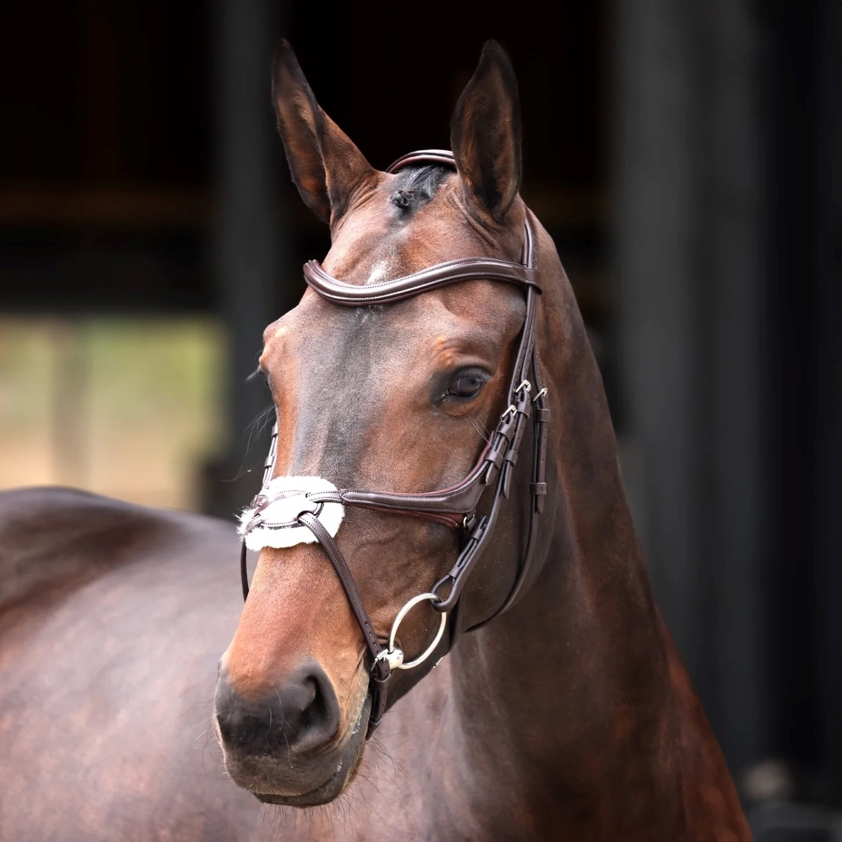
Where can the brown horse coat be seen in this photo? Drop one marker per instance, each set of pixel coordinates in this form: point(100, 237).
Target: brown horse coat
point(570, 717)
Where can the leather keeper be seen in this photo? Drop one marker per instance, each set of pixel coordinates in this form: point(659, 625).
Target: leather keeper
point(495, 457)
point(507, 428)
point(542, 415)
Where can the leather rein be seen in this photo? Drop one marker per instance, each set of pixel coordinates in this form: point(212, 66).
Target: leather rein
point(456, 506)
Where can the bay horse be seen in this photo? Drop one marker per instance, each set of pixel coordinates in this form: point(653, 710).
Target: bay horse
point(568, 716)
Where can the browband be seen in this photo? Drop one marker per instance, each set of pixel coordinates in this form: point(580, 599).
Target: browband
point(452, 272)
point(455, 506)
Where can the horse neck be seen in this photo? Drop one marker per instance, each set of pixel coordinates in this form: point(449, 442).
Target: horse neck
point(572, 683)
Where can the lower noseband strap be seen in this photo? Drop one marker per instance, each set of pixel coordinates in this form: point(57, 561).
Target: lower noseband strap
point(379, 668)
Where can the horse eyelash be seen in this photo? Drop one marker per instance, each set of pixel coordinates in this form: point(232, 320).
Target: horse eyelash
point(261, 374)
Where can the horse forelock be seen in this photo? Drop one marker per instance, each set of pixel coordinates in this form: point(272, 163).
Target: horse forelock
point(417, 185)
point(411, 220)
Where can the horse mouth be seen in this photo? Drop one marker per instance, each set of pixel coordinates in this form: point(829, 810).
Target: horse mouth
point(339, 781)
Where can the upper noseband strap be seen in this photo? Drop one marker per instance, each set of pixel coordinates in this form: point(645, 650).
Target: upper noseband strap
point(448, 506)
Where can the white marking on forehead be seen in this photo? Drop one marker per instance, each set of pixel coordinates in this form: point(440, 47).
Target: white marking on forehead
point(276, 525)
point(380, 272)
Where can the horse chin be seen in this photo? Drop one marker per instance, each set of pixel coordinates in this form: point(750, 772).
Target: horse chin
point(338, 782)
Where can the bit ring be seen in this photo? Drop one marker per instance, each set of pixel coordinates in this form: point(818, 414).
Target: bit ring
point(399, 619)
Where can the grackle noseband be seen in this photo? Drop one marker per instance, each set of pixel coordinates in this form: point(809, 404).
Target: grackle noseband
point(456, 506)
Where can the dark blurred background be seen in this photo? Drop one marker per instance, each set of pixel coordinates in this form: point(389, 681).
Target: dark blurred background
point(687, 159)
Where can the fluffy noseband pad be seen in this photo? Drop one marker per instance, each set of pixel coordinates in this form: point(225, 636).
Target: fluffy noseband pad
point(275, 524)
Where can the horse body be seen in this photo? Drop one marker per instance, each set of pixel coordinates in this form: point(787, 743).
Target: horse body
point(107, 661)
point(569, 717)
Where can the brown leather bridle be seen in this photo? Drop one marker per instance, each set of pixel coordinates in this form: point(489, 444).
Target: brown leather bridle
point(456, 506)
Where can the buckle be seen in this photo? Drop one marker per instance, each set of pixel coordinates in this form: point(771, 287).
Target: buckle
point(510, 411)
point(393, 657)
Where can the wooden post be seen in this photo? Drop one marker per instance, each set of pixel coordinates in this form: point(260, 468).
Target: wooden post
point(250, 237)
point(827, 173)
point(690, 324)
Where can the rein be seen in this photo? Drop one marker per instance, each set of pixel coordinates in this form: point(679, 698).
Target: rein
point(456, 506)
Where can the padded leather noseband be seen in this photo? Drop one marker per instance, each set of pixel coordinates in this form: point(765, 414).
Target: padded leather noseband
point(456, 506)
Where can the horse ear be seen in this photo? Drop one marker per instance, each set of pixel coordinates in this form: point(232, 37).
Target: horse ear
point(485, 134)
point(326, 166)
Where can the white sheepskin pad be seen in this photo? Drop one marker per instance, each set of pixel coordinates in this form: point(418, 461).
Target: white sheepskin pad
point(281, 514)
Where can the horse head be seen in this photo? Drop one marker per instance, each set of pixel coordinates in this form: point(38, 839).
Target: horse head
point(401, 396)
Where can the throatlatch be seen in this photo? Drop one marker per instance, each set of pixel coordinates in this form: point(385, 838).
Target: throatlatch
point(287, 506)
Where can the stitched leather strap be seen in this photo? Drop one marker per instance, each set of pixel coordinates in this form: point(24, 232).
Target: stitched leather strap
point(443, 157)
point(451, 272)
point(244, 571)
point(379, 669)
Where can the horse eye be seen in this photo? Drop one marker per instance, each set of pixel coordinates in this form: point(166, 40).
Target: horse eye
point(466, 386)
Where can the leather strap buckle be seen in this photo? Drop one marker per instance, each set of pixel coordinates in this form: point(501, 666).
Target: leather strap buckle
point(510, 411)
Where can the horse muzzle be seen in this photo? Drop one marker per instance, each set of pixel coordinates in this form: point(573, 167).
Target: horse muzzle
point(291, 746)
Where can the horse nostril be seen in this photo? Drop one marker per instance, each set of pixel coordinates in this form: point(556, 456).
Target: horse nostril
point(302, 715)
point(317, 714)
point(315, 710)
point(242, 729)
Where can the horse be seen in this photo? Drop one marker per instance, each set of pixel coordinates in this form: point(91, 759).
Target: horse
point(472, 652)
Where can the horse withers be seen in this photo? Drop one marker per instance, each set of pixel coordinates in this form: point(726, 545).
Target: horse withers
point(444, 449)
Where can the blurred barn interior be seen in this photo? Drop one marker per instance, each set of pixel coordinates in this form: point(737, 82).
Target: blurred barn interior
point(686, 157)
